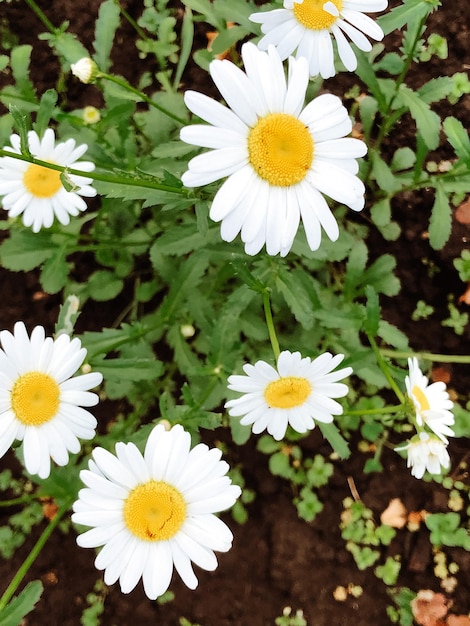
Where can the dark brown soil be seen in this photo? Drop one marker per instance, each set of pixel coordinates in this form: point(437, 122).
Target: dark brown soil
point(277, 559)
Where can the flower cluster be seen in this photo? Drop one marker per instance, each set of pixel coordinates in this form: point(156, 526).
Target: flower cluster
point(427, 450)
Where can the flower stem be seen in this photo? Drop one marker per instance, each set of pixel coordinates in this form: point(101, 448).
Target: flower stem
point(41, 15)
point(270, 324)
point(35, 550)
point(426, 356)
point(104, 177)
point(385, 369)
point(142, 96)
point(379, 410)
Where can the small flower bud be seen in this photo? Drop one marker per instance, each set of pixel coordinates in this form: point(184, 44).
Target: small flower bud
point(85, 70)
point(91, 115)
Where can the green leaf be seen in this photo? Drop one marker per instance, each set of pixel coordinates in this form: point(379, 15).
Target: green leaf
point(436, 89)
point(45, 111)
point(411, 11)
point(54, 272)
point(187, 38)
point(428, 123)
point(335, 439)
point(371, 325)
point(241, 270)
point(25, 250)
point(103, 285)
point(368, 108)
point(296, 295)
point(440, 224)
point(68, 46)
point(20, 59)
point(458, 138)
point(355, 269)
point(22, 124)
point(105, 31)
point(135, 368)
point(22, 604)
point(403, 159)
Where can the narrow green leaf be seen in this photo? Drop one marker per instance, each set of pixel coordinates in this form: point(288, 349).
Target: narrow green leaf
point(371, 325)
point(68, 46)
point(428, 123)
point(409, 12)
point(295, 295)
point(187, 37)
point(22, 124)
point(335, 439)
point(105, 31)
point(246, 276)
point(135, 368)
point(45, 111)
point(458, 138)
point(22, 604)
point(19, 61)
point(440, 223)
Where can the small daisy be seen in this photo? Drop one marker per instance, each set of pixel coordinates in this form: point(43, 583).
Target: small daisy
point(426, 453)
point(155, 511)
point(278, 156)
point(297, 393)
point(37, 192)
point(431, 402)
point(40, 404)
point(307, 26)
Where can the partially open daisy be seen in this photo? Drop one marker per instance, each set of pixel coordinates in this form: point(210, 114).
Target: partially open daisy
point(431, 402)
point(279, 157)
point(297, 393)
point(36, 192)
point(308, 26)
point(426, 453)
point(40, 404)
point(155, 511)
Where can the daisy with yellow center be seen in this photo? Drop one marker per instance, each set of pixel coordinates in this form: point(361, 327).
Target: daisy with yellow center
point(298, 393)
point(40, 404)
point(431, 402)
point(279, 157)
point(154, 511)
point(36, 192)
point(307, 27)
point(426, 453)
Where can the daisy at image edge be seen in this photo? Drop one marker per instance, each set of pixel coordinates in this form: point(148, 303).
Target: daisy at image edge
point(40, 400)
point(36, 192)
point(308, 28)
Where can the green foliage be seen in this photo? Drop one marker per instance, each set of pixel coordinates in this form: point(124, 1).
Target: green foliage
point(402, 613)
point(446, 530)
point(22, 604)
point(462, 265)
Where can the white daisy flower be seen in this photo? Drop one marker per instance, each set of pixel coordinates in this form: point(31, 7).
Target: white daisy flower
point(40, 404)
point(431, 402)
point(308, 26)
point(85, 70)
point(297, 393)
point(279, 157)
point(36, 192)
point(155, 511)
point(426, 453)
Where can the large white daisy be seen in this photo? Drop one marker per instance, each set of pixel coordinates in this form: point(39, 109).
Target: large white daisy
point(297, 393)
point(279, 157)
point(431, 402)
point(426, 453)
point(308, 26)
point(155, 511)
point(36, 192)
point(40, 404)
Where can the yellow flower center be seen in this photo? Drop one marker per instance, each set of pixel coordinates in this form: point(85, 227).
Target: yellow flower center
point(287, 392)
point(42, 182)
point(154, 511)
point(420, 396)
point(311, 14)
point(280, 149)
point(35, 398)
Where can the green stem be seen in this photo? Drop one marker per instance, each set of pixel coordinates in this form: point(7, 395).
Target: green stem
point(131, 21)
point(15, 501)
point(270, 324)
point(142, 96)
point(40, 14)
point(381, 410)
point(426, 356)
point(104, 177)
point(384, 367)
point(36, 549)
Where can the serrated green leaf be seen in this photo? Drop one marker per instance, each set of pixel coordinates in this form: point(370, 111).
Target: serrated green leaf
point(25, 250)
point(296, 296)
point(68, 46)
point(458, 138)
point(440, 224)
point(392, 335)
point(371, 324)
point(368, 108)
point(428, 123)
point(22, 604)
point(410, 12)
point(19, 61)
point(54, 272)
point(380, 275)
point(436, 89)
point(187, 38)
point(45, 111)
point(129, 369)
point(355, 269)
point(381, 212)
point(105, 31)
point(103, 285)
